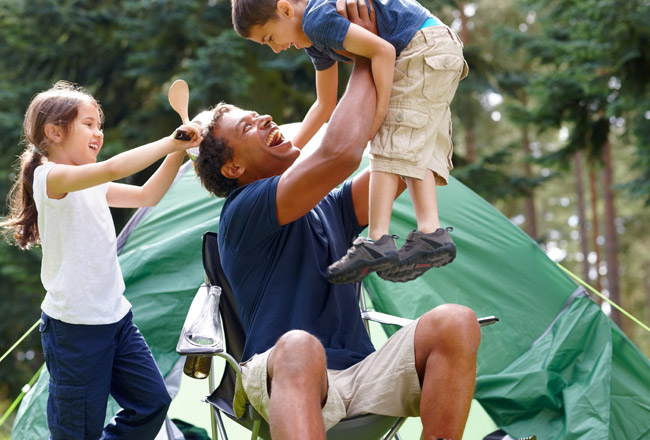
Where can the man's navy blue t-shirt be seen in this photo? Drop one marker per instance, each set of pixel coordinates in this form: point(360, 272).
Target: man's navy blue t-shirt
point(278, 272)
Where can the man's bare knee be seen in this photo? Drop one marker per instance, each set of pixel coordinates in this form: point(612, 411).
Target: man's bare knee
point(449, 326)
point(296, 353)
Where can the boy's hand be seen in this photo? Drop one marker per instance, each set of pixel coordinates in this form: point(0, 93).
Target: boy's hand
point(359, 12)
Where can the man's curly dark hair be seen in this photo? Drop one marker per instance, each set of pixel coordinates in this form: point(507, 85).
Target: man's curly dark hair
point(214, 152)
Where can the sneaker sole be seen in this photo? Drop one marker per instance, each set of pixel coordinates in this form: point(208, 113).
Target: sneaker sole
point(414, 267)
point(362, 269)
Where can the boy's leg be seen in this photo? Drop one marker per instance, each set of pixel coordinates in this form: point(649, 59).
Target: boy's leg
point(137, 386)
point(429, 246)
point(425, 201)
point(79, 360)
point(383, 188)
point(378, 252)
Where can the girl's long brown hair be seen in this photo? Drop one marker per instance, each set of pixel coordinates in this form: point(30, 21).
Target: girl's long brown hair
point(59, 106)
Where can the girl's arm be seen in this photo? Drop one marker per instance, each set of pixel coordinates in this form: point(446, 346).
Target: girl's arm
point(63, 179)
point(381, 53)
point(321, 110)
point(120, 195)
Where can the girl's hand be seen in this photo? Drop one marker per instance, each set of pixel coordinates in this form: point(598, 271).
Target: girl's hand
point(189, 135)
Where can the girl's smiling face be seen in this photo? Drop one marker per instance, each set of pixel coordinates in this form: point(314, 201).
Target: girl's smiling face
point(84, 137)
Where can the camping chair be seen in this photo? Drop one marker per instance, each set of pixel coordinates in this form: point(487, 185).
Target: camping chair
point(364, 427)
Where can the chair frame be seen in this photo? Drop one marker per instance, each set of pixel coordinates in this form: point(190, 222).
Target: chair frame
point(220, 394)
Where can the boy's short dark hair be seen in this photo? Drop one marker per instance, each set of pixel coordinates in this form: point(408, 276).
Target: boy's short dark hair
point(249, 13)
point(214, 152)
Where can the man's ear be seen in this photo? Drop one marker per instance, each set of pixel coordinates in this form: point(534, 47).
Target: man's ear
point(285, 8)
point(231, 170)
point(54, 132)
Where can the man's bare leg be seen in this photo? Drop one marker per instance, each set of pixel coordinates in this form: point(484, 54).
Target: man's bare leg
point(446, 344)
point(297, 372)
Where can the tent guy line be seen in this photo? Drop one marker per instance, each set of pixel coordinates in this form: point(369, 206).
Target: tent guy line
point(620, 309)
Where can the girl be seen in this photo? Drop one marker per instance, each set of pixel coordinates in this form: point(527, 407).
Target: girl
point(61, 201)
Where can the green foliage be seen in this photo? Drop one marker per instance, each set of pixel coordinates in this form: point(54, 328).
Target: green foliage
point(496, 181)
point(21, 292)
point(591, 56)
point(581, 65)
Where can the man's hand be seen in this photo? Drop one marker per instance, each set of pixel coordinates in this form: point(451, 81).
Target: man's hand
point(358, 12)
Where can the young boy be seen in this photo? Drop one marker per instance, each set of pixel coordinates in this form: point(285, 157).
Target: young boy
point(417, 63)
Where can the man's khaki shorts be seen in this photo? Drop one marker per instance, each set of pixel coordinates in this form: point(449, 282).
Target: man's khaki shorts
point(385, 382)
point(416, 134)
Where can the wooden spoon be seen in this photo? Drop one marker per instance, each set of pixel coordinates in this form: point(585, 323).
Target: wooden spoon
point(179, 97)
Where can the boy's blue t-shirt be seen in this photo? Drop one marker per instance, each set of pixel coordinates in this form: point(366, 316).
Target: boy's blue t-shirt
point(397, 22)
point(277, 272)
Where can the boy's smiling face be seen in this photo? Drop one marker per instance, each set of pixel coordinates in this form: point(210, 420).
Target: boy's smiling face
point(282, 32)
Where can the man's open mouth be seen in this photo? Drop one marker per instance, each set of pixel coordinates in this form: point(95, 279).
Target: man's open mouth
point(94, 146)
point(275, 138)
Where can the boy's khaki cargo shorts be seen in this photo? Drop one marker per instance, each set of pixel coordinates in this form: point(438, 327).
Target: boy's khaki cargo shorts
point(416, 134)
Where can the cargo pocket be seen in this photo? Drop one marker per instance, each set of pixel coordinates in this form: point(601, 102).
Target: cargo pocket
point(402, 135)
point(401, 81)
point(442, 73)
point(67, 410)
point(450, 151)
point(465, 71)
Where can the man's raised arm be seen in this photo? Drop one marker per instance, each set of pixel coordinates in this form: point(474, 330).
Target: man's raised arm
point(306, 182)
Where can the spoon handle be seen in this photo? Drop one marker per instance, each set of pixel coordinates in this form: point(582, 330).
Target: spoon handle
point(182, 135)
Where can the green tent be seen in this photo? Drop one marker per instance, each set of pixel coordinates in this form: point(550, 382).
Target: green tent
point(554, 366)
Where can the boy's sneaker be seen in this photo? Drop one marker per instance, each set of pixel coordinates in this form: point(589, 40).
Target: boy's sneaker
point(420, 253)
point(365, 256)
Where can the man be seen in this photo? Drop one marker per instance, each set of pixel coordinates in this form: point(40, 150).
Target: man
point(309, 359)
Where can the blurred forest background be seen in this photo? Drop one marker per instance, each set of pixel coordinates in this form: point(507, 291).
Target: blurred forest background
point(552, 126)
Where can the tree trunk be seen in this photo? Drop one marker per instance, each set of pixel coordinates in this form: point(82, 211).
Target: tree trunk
point(611, 236)
point(582, 218)
point(470, 138)
point(464, 30)
point(646, 285)
point(470, 145)
point(595, 227)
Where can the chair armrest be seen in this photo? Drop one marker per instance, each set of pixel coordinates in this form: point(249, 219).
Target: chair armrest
point(231, 360)
point(487, 320)
point(384, 318)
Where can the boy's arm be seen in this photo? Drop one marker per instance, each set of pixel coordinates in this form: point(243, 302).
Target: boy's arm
point(63, 179)
point(321, 110)
point(382, 56)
